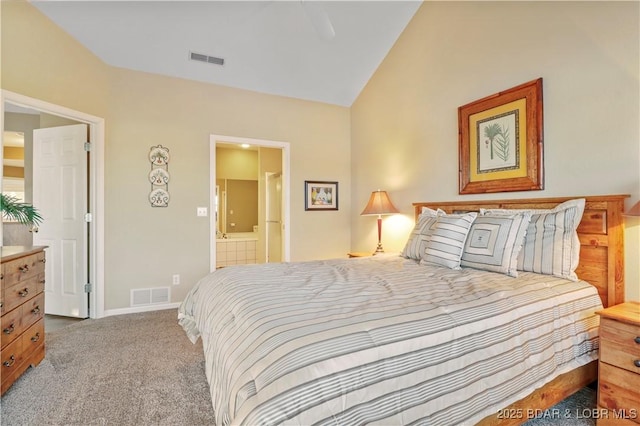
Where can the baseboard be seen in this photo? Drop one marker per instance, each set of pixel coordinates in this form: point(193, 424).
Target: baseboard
point(137, 309)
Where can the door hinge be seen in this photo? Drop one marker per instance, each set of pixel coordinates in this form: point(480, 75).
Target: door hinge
point(88, 288)
point(88, 217)
point(87, 146)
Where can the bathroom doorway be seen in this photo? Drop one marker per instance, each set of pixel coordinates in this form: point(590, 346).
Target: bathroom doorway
point(248, 175)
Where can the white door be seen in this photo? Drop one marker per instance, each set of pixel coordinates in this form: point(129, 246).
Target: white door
point(273, 233)
point(60, 193)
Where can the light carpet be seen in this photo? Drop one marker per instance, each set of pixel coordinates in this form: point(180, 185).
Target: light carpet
point(140, 369)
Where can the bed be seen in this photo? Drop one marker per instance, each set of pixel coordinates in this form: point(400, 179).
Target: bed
point(396, 340)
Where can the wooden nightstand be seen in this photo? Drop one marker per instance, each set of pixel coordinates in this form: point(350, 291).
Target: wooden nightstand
point(359, 254)
point(619, 365)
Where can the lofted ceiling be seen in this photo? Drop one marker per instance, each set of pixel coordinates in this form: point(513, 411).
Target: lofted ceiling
point(323, 51)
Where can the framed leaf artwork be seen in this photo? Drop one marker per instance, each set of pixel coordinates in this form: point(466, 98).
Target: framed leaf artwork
point(500, 141)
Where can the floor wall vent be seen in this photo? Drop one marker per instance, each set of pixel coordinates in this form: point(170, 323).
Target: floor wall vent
point(150, 296)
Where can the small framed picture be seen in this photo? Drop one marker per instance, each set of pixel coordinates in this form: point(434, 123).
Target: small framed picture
point(320, 195)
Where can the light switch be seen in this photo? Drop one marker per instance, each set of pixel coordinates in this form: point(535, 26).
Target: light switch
point(202, 211)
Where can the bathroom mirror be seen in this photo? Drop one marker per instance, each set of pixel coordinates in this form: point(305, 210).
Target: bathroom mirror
point(13, 182)
point(241, 206)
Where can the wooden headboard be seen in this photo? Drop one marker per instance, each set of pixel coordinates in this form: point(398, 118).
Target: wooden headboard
point(601, 235)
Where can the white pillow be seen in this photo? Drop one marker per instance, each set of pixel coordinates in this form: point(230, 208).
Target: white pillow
point(416, 244)
point(551, 245)
point(494, 242)
point(447, 240)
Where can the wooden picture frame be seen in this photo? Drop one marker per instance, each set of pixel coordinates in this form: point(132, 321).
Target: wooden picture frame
point(500, 141)
point(320, 195)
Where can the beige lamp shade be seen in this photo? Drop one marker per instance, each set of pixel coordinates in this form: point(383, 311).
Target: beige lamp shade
point(633, 211)
point(379, 204)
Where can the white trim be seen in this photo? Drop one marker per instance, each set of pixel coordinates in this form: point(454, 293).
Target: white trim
point(96, 183)
point(285, 147)
point(139, 309)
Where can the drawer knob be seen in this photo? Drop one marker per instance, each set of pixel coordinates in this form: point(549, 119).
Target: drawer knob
point(10, 362)
point(24, 269)
point(35, 337)
point(9, 329)
point(637, 363)
point(637, 340)
point(23, 293)
point(36, 310)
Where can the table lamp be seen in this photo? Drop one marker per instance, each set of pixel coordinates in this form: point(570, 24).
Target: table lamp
point(379, 204)
point(633, 211)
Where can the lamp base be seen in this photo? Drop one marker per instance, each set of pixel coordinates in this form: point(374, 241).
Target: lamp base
point(379, 249)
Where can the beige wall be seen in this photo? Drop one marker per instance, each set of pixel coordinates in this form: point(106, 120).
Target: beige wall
point(179, 114)
point(41, 61)
point(404, 123)
point(402, 129)
point(236, 164)
point(145, 246)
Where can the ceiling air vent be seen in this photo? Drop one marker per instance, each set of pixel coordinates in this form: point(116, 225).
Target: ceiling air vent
point(205, 58)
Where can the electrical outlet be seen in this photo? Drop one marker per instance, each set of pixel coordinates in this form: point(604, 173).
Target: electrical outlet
point(176, 279)
point(201, 211)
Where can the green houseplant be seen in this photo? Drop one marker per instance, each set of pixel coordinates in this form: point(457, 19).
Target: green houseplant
point(11, 208)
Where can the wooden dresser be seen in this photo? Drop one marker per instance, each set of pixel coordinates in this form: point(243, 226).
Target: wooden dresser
point(22, 308)
point(619, 365)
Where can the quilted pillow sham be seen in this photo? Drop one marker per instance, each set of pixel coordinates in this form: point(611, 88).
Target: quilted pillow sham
point(417, 242)
point(551, 245)
point(447, 240)
point(494, 242)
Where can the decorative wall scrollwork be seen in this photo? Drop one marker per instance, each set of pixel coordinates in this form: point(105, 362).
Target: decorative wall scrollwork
point(159, 176)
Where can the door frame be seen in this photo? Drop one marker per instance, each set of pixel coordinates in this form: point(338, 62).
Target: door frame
point(95, 186)
point(286, 186)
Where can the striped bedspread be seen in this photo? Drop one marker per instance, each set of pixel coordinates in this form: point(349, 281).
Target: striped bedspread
point(382, 340)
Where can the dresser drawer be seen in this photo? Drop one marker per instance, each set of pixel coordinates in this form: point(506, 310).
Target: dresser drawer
point(618, 389)
point(11, 358)
point(23, 268)
point(22, 304)
point(33, 337)
point(2, 309)
point(618, 344)
point(11, 326)
point(24, 290)
point(32, 311)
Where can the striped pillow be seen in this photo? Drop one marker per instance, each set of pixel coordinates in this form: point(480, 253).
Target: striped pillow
point(414, 249)
point(494, 242)
point(551, 245)
point(447, 240)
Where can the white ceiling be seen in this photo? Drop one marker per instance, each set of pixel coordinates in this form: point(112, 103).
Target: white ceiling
point(268, 46)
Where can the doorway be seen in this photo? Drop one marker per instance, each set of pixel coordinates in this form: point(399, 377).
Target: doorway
point(218, 199)
point(94, 250)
